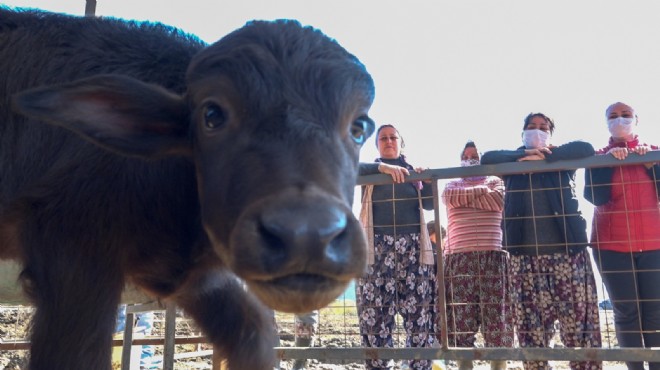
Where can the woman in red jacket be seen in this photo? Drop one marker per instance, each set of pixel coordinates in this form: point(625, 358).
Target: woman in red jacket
point(626, 233)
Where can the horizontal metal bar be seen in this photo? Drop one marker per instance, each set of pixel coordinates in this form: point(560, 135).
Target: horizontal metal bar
point(512, 354)
point(145, 307)
point(513, 168)
point(24, 344)
point(362, 353)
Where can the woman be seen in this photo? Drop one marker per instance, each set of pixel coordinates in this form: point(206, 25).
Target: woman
point(625, 233)
point(545, 234)
point(475, 264)
point(400, 276)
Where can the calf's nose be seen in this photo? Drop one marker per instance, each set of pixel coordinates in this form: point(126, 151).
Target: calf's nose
point(297, 250)
point(303, 233)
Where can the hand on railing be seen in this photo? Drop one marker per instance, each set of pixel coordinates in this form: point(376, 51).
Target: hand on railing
point(621, 153)
point(537, 154)
point(398, 173)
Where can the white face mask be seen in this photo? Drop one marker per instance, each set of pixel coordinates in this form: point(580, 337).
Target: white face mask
point(535, 138)
point(470, 162)
point(620, 126)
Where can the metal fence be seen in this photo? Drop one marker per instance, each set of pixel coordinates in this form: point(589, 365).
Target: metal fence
point(337, 338)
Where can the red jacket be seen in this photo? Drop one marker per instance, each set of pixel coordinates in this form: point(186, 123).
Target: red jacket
point(627, 216)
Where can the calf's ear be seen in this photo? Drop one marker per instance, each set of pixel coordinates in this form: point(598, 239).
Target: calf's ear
point(116, 112)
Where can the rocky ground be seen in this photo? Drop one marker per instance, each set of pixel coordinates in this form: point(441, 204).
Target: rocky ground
point(337, 328)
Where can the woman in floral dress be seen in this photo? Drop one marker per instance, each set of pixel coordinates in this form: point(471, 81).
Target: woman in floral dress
point(400, 277)
point(545, 235)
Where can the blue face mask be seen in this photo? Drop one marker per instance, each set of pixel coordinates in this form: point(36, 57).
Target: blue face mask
point(470, 162)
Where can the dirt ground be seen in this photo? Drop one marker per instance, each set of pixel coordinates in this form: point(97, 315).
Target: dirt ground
point(337, 328)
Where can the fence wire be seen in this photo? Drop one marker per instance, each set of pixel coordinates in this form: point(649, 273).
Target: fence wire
point(338, 342)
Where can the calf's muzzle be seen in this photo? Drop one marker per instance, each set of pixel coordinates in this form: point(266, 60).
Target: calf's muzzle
point(298, 250)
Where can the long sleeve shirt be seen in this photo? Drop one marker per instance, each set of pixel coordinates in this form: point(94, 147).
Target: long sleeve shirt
point(396, 206)
point(627, 212)
point(541, 210)
point(474, 213)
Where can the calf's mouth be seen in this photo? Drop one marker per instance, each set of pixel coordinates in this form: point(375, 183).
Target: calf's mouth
point(298, 293)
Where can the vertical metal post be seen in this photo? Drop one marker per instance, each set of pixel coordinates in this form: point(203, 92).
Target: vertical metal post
point(440, 276)
point(90, 8)
point(170, 325)
point(128, 341)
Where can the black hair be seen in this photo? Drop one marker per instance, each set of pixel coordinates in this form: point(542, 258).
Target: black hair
point(430, 227)
point(549, 120)
point(469, 144)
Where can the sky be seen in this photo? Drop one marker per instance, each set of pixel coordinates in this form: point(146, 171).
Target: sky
point(451, 71)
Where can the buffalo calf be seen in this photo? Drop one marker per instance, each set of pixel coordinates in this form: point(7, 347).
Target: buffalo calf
point(206, 175)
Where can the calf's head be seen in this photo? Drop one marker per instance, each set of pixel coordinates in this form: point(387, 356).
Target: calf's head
point(273, 119)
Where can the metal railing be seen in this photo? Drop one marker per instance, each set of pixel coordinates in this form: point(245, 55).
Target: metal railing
point(338, 338)
point(609, 350)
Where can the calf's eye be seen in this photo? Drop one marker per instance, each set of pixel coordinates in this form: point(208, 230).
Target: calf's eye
point(361, 129)
point(214, 116)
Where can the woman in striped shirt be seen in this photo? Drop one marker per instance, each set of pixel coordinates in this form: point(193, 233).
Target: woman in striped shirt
point(475, 264)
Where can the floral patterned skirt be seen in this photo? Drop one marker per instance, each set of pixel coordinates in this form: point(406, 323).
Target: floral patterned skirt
point(397, 283)
point(556, 287)
point(477, 291)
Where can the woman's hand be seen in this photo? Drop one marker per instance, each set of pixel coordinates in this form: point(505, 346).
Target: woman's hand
point(420, 170)
point(535, 154)
point(618, 153)
point(398, 173)
point(641, 150)
point(622, 153)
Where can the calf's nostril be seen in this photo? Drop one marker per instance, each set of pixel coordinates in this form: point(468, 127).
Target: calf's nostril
point(272, 236)
point(334, 226)
point(337, 249)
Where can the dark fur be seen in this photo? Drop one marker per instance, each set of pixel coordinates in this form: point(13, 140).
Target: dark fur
point(138, 188)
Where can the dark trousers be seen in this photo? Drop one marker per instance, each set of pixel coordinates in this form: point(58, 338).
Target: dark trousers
point(632, 282)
